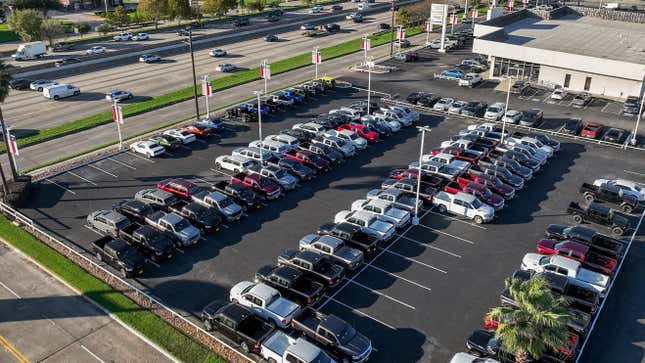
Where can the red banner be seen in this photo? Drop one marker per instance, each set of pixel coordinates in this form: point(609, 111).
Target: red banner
point(13, 145)
point(117, 114)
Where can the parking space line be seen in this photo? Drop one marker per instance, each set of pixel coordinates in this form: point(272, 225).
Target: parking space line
point(447, 234)
point(400, 277)
point(106, 172)
point(92, 354)
point(153, 263)
point(60, 186)
point(459, 220)
point(11, 291)
point(203, 181)
point(80, 177)
point(11, 349)
point(122, 163)
point(605, 107)
point(634, 173)
point(329, 298)
point(221, 172)
point(93, 230)
point(417, 261)
point(381, 294)
point(141, 157)
point(429, 246)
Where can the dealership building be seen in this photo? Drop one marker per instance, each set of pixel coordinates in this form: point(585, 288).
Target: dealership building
point(579, 49)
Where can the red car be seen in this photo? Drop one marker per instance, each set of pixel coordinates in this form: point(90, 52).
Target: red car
point(363, 131)
point(199, 131)
point(580, 252)
point(480, 191)
point(490, 181)
point(179, 187)
point(591, 130)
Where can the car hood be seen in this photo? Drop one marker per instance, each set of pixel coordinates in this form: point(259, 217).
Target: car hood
point(555, 229)
point(349, 254)
point(133, 260)
point(494, 200)
point(288, 179)
point(547, 243)
point(358, 345)
point(162, 245)
point(531, 260)
point(396, 213)
point(189, 233)
point(232, 209)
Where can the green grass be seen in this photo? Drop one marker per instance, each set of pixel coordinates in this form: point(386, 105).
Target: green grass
point(147, 323)
point(7, 35)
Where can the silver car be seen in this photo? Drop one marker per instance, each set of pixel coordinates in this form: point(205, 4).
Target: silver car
point(443, 104)
point(334, 248)
point(457, 106)
point(107, 222)
point(384, 209)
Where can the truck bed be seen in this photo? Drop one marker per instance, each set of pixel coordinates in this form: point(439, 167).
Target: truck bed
point(101, 242)
point(308, 320)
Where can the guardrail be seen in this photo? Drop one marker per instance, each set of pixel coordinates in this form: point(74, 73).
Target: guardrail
point(141, 298)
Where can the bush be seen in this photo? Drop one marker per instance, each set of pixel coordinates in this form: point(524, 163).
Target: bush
point(104, 28)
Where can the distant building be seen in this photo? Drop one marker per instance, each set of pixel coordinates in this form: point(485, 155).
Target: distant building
point(579, 49)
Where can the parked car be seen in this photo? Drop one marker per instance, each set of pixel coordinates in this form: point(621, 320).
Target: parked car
point(283, 348)
point(599, 214)
point(567, 267)
point(107, 222)
point(220, 202)
point(314, 265)
point(463, 204)
point(147, 148)
point(176, 226)
point(627, 186)
point(292, 283)
point(184, 136)
point(512, 116)
point(265, 302)
point(581, 100)
point(606, 245)
point(238, 323)
point(495, 111)
point(591, 130)
point(132, 209)
point(572, 126)
point(368, 222)
point(611, 194)
point(532, 117)
point(453, 74)
point(559, 94)
point(615, 134)
point(334, 249)
point(470, 80)
point(578, 251)
point(168, 142)
point(155, 197)
point(118, 254)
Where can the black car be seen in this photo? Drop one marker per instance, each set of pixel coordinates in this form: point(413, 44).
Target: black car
point(483, 343)
point(206, 219)
point(572, 126)
point(292, 283)
point(66, 61)
point(532, 117)
point(599, 214)
point(195, 24)
point(358, 18)
point(329, 153)
point(134, 210)
point(474, 109)
point(314, 265)
point(20, 83)
point(293, 167)
point(414, 97)
point(182, 33)
point(332, 27)
point(298, 134)
point(120, 255)
point(336, 7)
point(362, 106)
point(270, 38)
point(615, 134)
point(63, 46)
point(241, 22)
point(384, 26)
point(352, 235)
point(326, 121)
point(428, 100)
point(519, 87)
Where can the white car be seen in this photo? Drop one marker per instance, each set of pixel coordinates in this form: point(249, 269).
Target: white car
point(147, 148)
point(284, 140)
point(394, 125)
point(149, 58)
point(512, 116)
point(464, 205)
point(495, 111)
point(397, 116)
point(349, 136)
point(469, 358)
point(368, 222)
point(217, 53)
point(118, 95)
point(310, 128)
point(470, 80)
point(234, 163)
point(265, 302)
point(536, 144)
point(184, 136)
point(96, 50)
point(384, 209)
point(226, 67)
point(307, 27)
point(122, 36)
point(140, 36)
point(628, 187)
point(558, 94)
point(316, 10)
point(443, 104)
point(38, 85)
point(406, 111)
point(567, 267)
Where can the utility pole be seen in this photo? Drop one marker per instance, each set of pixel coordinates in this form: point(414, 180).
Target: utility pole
point(12, 157)
point(370, 65)
point(638, 121)
point(392, 31)
point(508, 98)
point(423, 129)
point(259, 94)
point(192, 62)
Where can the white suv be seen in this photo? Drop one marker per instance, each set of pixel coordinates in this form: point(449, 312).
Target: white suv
point(234, 163)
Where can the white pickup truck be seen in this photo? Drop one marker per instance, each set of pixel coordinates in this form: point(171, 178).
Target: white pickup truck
point(463, 204)
point(283, 348)
point(449, 159)
point(265, 301)
point(567, 267)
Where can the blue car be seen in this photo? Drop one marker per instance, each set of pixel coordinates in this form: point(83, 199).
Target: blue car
point(453, 73)
point(251, 107)
point(291, 94)
point(214, 123)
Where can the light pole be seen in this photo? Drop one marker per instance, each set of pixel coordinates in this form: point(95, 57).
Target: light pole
point(265, 75)
point(118, 118)
point(508, 98)
point(638, 120)
point(192, 62)
point(398, 36)
point(370, 65)
point(392, 31)
point(206, 93)
point(259, 94)
point(423, 129)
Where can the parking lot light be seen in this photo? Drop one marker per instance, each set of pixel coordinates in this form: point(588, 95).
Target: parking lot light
point(370, 65)
point(508, 98)
point(423, 129)
point(634, 139)
point(259, 94)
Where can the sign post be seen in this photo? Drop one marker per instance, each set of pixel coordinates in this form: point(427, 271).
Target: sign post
point(265, 73)
point(427, 27)
point(13, 148)
point(117, 115)
point(366, 44)
point(207, 91)
point(400, 36)
point(316, 59)
point(438, 15)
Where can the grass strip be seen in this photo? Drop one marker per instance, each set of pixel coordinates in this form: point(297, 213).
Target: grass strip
point(142, 320)
point(7, 35)
point(219, 84)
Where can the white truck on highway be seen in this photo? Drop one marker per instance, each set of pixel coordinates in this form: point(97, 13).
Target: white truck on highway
point(31, 50)
point(283, 348)
point(463, 204)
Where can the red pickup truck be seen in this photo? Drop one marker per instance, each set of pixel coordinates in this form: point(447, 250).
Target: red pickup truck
point(579, 252)
point(372, 137)
point(309, 159)
point(493, 183)
point(179, 187)
point(260, 184)
point(470, 156)
point(432, 180)
point(480, 191)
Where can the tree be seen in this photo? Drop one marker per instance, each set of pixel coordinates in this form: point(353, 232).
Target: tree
point(118, 17)
point(104, 28)
point(51, 29)
point(5, 78)
point(256, 5)
point(402, 17)
point(83, 28)
point(179, 9)
point(44, 6)
point(217, 6)
point(537, 325)
point(152, 10)
point(26, 23)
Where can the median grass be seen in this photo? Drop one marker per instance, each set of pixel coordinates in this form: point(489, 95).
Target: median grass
point(147, 323)
point(7, 35)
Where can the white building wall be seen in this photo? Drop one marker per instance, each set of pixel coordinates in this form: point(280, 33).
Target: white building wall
point(600, 84)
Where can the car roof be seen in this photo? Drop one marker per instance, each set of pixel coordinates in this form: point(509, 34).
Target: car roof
point(264, 292)
point(309, 256)
point(362, 215)
point(567, 263)
point(330, 241)
point(286, 272)
point(304, 350)
point(236, 312)
point(465, 197)
point(173, 218)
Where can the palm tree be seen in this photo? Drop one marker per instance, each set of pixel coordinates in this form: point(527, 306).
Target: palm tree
point(5, 77)
point(538, 324)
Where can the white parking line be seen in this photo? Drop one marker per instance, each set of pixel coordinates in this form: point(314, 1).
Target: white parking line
point(381, 294)
point(459, 220)
point(80, 177)
point(400, 277)
point(329, 298)
point(106, 172)
point(141, 157)
point(220, 172)
point(92, 354)
point(634, 173)
point(429, 246)
point(152, 263)
point(60, 186)
point(417, 261)
point(605, 107)
point(122, 163)
point(11, 291)
point(447, 234)
point(94, 230)
point(204, 181)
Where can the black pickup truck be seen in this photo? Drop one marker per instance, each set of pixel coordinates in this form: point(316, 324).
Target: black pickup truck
point(606, 245)
point(133, 209)
point(511, 165)
point(118, 254)
point(292, 283)
point(611, 194)
point(237, 323)
point(314, 265)
point(204, 218)
point(149, 241)
point(333, 334)
point(239, 193)
point(352, 235)
point(599, 214)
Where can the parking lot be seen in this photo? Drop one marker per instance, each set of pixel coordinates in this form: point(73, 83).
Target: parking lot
point(425, 290)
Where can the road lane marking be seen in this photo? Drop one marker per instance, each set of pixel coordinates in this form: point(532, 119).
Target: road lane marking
point(429, 246)
point(400, 277)
point(417, 261)
point(122, 163)
point(80, 177)
point(381, 294)
point(329, 298)
point(60, 186)
point(104, 171)
point(13, 350)
point(11, 291)
point(459, 220)
point(92, 354)
point(447, 234)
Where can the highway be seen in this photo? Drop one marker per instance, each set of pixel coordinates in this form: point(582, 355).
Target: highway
point(29, 110)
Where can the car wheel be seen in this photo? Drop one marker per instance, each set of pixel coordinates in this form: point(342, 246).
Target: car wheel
point(577, 218)
point(99, 257)
point(617, 231)
point(478, 219)
point(442, 208)
point(627, 208)
point(235, 171)
point(208, 325)
point(123, 273)
point(589, 197)
point(271, 360)
point(56, 98)
point(218, 166)
point(244, 347)
point(40, 89)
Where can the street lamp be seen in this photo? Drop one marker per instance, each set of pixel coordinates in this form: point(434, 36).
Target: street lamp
point(638, 120)
point(259, 94)
point(392, 30)
point(423, 129)
point(508, 98)
point(192, 62)
point(370, 65)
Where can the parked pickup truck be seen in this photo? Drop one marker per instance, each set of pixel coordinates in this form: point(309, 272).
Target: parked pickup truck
point(283, 348)
point(400, 198)
point(220, 202)
point(450, 172)
point(239, 193)
point(410, 186)
point(480, 191)
point(202, 217)
point(493, 183)
point(282, 99)
point(500, 172)
point(118, 254)
point(334, 249)
point(511, 165)
point(309, 159)
point(427, 179)
point(566, 267)
point(237, 323)
point(463, 204)
point(447, 159)
point(604, 244)
point(148, 241)
point(314, 265)
point(258, 183)
point(522, 159)
point(599, 214)
point(467, 155)
point(176, 225)
point(612, 194)
point(107, 222)
point(265, 302)
point(580, 252)
point(292, 283)
point(331, 154)
point(333, 334)
point(580, 298)
point(351, 234)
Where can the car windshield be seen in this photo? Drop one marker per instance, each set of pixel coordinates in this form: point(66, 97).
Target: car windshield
point(637, 188)
point(183, 224)
point(353, 137)
point(476, 203)
point(544, 260)
point(225, 202)
point(280, 173)
point(493, 109)
point(347, 334)
point(486, 193)
point(184, 133)
point(264, 182)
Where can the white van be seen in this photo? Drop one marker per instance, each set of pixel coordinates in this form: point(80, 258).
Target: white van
point(363, 6)
point(276, 148)
point(60, 91)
